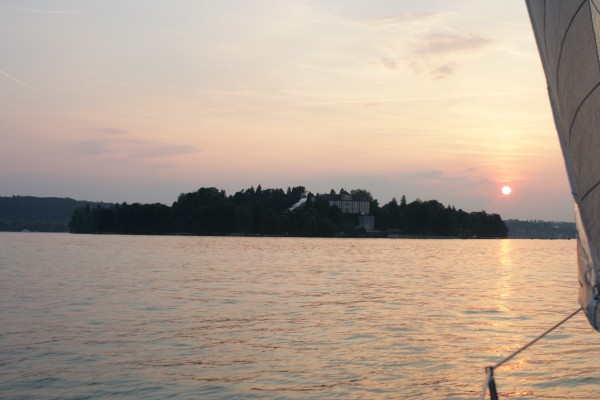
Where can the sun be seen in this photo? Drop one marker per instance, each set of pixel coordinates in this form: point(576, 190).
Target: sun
point(506, 190)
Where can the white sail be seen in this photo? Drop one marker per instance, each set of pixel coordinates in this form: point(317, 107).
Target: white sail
point(568, 37)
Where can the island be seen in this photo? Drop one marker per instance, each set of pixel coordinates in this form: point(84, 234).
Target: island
point(291, 212)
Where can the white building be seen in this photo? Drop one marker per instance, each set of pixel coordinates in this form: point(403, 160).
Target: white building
point(349, 206)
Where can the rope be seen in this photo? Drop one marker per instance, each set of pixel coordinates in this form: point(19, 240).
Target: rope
point(489, 383)
point(489, 379)
point(536, 339)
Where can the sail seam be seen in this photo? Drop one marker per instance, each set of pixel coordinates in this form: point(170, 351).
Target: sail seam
point(579, 109)
point(579, 199)
point(540, 36)
point(590, 190)
point(596, 7)
point(595, 87)
point(562, 43)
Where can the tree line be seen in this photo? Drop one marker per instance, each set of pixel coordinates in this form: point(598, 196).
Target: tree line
point(541, 229)
point(432, 218)
point(210, 211)
point(40, 214)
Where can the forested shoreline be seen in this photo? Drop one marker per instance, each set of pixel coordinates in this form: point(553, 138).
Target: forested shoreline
point(39, 214)
point(210, 211)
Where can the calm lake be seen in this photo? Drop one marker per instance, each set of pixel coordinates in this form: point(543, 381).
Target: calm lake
point(89, 317)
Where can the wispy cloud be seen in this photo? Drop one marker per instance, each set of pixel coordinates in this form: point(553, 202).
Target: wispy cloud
point(39, 11)
point(12, 78)
point(92, 147)
point(166, 151)
point(445, 43)
point(389, 62)
point(443, 70)
point(422, 175)
point(132, 148)
point(377, 100)
point(251, 94)
point(113, 131)
point(435, 52)
point(400, 19)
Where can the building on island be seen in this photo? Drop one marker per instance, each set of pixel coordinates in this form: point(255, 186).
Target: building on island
point(347, 204)
point(367, 222)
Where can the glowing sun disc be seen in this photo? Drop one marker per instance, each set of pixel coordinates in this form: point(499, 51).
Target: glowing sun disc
point(506, 190)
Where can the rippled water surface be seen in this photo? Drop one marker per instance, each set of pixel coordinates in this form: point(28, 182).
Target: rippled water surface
point(85, 316)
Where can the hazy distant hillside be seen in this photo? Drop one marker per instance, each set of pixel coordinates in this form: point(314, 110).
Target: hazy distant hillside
point(540, 229)
point(42, 214)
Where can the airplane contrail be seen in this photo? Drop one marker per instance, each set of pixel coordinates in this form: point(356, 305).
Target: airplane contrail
point(12, 78)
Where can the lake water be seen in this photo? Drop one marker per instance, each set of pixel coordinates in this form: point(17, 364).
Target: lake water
point(85, 316)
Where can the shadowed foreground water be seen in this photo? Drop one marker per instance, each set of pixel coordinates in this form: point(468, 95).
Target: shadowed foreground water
point(86, 316)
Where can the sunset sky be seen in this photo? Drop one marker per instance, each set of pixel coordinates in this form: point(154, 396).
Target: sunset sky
point(138, 101)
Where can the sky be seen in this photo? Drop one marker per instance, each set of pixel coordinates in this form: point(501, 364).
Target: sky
point(137, 101)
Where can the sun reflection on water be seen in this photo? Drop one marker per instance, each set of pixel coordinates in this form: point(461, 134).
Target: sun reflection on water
point(505, 272)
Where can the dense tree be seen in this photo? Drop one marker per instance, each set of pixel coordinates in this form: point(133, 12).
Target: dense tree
point(431, 218)
point(137, 219)
point(361, 195)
